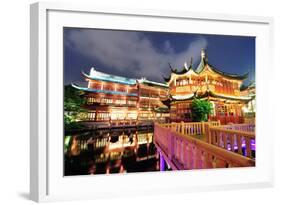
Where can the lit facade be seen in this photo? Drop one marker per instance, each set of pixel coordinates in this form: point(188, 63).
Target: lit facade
point(111, 98)
point(206, 82)
point(250, 90)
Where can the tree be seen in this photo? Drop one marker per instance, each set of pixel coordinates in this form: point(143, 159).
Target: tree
point(200, 109)
point(72, 107)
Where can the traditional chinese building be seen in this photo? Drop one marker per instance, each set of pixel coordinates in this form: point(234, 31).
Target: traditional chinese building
point(249, 109)
point(206, 82)
point(111, 98)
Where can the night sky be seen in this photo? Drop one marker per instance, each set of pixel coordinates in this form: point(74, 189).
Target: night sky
point(137, 54)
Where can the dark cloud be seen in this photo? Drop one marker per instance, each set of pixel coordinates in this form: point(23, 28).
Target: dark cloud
point(131, 53)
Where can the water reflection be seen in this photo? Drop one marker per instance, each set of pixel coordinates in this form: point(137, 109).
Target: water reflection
point(105, 152)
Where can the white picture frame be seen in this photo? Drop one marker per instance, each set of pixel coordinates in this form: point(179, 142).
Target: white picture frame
point(47, 182)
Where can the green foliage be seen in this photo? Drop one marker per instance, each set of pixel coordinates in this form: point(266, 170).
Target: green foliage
point(73, 102)
point(72, 99)
point(200, 109)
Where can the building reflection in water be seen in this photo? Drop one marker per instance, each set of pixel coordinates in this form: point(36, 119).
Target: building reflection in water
point(106, 152)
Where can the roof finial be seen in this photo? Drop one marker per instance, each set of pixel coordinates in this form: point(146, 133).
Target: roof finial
point(191, 62)
point(185, 65)
point(203, 53)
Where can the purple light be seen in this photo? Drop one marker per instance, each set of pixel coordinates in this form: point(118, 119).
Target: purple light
point(162, 163)
point(253, 146)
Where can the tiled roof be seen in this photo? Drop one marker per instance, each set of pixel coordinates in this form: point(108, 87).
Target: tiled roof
point(104, 91)
point(97, 75)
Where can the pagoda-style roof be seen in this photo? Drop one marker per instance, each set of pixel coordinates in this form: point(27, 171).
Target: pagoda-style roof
point(183, 70)
point(180, 72)
point(204, 64)
point(167, 79)
point(163, 109)
point(251, 85)
point(152, 83)
point(97, 75)
point(91, 90)
point(206, 94)
point(229, 97)
point(167, 102)
point(183, 97)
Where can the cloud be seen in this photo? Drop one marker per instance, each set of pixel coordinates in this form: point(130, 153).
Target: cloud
point(132, 53)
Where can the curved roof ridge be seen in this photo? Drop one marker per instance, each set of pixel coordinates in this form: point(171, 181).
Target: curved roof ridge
point(103, 91)
point(200, 66)
point(144, 80)
point(184, 97)
point(167, 79)
point(97, 75)
point(244, 98)
point(204, 61)
point(184, 68)
point(183, 71)
point(239, 76)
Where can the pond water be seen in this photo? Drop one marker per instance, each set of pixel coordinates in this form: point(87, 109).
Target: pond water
point(110, 151)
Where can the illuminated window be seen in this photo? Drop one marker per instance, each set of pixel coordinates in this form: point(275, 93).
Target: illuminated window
point(106, 101)
point(91, 116)
point(103, 116)
point(90, 100)
point(131, 102)
point(117, 115)
point(132, 115)
point(121, 102)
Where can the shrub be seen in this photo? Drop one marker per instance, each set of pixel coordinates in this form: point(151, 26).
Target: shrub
point(200, 109)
